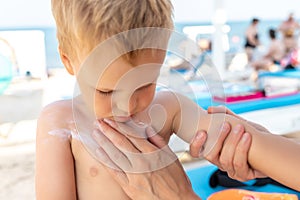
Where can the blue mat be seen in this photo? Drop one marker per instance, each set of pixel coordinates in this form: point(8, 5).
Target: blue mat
point(203, 97)
point(265, 103)
point(252, 105)
point(200, 181)
point(204, 100)
point(291, 73)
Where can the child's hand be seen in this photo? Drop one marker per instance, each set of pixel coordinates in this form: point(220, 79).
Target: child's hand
point(230, 153)
point(144, 167)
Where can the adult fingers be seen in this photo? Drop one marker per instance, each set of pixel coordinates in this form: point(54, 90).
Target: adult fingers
point(137, 136)
point(196, 145)
point(222, 109)
point(229, 148)
point(163, 152)
point(155, 138)
point(119, 140)
point(213, 155)
point(242, 170)
point(216, 109)
point(142, 152)
point(105, 159)
point(131, 128)
point(113, 156)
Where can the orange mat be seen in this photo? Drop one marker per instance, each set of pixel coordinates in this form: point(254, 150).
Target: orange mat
point(238, 194)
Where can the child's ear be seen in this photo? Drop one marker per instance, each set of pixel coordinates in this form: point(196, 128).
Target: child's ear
point(66, 61)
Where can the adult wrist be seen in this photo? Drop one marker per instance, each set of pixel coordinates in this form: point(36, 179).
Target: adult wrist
point(189, 196)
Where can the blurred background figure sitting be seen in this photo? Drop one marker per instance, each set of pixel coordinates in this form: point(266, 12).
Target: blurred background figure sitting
point(195, 57)
point(271, 60)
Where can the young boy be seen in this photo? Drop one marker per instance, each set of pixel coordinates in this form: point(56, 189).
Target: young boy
point(64, 167)
point(117, 82)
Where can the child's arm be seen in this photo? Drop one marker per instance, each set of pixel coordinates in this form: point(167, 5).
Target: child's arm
point(273, 155)
point(55, 177)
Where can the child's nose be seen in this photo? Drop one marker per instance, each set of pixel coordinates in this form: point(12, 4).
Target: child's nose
point(127, 104)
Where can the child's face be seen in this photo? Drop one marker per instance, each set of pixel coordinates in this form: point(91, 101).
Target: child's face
point(125, 87)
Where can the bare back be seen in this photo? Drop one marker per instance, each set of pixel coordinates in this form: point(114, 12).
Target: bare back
point(65, 169)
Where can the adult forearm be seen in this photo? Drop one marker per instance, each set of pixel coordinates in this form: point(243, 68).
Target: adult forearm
point(277, 157)
point(273, 155)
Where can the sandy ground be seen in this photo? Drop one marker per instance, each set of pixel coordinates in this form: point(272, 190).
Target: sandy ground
point(17, 172)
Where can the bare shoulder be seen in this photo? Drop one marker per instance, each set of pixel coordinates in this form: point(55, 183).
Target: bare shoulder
point(164, 97)
point(58, 104)
point(56, 110)
point(55, 178)
point(55, 116)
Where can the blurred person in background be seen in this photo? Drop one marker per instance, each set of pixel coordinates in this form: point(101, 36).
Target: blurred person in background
point(290, 31)
point(252, 38)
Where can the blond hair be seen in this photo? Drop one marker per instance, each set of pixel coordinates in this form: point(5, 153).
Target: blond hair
point(83, 24)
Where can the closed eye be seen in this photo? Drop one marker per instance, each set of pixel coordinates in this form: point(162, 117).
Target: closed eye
point(145, 86)
point(105, 93)
point(110, 92)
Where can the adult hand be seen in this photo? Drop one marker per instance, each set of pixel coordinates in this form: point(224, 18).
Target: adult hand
point(230, 153)
point(126, 156)
point(223, 109)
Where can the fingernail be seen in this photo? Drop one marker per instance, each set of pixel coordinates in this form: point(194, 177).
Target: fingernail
point(150, 131)
point(225, 127)
point(237, 129)
point(96, 124)
point(100, 126)
point(110, 122)
point(199, 135)
point(245, 137)
point(107, 120)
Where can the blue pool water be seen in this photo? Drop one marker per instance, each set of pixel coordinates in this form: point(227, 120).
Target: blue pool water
point(5, 73)
point(237, 29)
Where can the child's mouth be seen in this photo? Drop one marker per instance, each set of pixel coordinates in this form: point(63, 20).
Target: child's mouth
point(122, 118)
